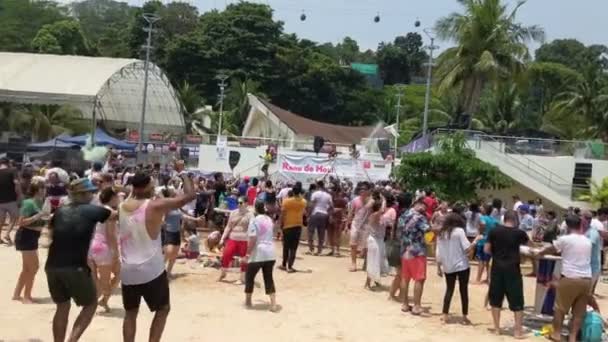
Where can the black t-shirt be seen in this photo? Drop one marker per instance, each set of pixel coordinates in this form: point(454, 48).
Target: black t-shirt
point(72, 230)
point(202, 203)
point(505, 244)
point(7, 184)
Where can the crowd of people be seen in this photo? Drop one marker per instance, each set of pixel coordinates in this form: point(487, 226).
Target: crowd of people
point(128, 226)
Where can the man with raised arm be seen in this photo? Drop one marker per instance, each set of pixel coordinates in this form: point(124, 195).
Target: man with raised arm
point(143, 268)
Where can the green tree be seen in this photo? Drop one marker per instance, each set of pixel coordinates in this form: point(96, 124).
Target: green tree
point(105, 24)
point(176, 19)
point(453, 171)
point(588, 99)
point(490, 46)
point(61, 37)
point(401, 59)
point(573, 54)
point(45, 122)
point(21, 20)
point(240, 41)
point(237, 103)
point(598, 195)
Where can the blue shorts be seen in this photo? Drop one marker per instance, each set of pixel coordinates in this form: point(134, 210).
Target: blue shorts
point(481, 255)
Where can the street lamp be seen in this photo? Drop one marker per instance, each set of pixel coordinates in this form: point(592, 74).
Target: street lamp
point(427, 97)
point(150, 19)
point(222, 78)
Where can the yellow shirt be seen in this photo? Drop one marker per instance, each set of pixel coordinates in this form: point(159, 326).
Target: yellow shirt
point(293, 212)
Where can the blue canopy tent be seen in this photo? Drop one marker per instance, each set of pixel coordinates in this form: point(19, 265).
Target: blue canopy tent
point(102, 139)
point(56, 142)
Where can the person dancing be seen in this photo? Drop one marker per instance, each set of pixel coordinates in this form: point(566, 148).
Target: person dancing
point(234, 238)
point(292, 217)
point(67, 271)
point(143, 265)
point(260, 255)
point(103, 252)
point(30, 222)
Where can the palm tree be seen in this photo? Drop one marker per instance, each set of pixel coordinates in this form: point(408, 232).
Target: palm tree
point(45, 122)
point(491, 46)
point(598, 195)
point(587, 99)
point(237, 104)
point(501, 108)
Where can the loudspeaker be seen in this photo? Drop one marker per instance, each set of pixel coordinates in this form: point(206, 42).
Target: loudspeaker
point(233, 159)
point(184, 153)
point(317, 144)
point(384, 146)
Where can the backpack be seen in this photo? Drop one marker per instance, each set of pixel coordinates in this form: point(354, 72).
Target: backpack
point(592, 328)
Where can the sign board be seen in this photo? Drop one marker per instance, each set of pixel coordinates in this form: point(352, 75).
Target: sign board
point(308, 169)
point(221, 147)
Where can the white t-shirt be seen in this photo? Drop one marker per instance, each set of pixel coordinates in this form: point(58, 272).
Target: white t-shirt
point(451, 251)
point(322, 202)
point(576, 255)
point(283, 193)
point(597, 224)
point(261, 227)
point(516, 205)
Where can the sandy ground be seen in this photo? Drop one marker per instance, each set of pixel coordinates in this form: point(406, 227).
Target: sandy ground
point(326, 303)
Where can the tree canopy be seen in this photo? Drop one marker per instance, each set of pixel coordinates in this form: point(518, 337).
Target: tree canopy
point(487, 71)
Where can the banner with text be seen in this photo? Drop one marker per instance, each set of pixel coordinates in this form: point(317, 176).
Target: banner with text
point(308, 169)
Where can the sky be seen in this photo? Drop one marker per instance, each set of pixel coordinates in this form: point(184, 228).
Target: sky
point(332, 20)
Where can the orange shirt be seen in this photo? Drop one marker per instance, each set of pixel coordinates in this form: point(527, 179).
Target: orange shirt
point(293, 212)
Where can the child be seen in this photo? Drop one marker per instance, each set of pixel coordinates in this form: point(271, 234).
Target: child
point(192, 246)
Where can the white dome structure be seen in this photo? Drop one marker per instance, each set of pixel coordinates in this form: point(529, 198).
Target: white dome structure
point(112, 88)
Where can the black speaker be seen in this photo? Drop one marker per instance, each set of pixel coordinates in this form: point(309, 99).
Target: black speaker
point(317, 144)
point(583, 170)
point(233, 159)
point(384, 146)
point(184, 153)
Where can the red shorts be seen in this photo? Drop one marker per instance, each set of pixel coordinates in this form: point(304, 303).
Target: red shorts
point(414, 268)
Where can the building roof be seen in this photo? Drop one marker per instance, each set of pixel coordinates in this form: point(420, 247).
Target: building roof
point(333, 133)
point(114, 86)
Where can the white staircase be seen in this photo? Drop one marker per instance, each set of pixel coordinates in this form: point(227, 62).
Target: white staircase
point(522, 169)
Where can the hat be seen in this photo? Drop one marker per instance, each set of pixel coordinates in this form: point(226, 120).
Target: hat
point(524, 208)
point(246, 178)
point(81, 185)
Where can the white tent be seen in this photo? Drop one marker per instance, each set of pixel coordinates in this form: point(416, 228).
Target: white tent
point(112, 87)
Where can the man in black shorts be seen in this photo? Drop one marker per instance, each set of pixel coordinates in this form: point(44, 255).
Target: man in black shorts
point(505, 279)
point(142, 271)
point(68, 274)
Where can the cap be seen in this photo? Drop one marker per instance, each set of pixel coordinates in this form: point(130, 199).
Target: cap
point(524, 207)
point(82, 185)
point(246, 178)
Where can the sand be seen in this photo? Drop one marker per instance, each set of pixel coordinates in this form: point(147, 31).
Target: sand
point(328, 303)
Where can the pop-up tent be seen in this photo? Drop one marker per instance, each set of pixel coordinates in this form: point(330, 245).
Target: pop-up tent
point(101, 139)
point(56, 142)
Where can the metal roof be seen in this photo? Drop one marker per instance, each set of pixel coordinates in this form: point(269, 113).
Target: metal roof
point(114, 86)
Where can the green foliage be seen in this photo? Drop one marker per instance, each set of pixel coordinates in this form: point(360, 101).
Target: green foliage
point(399, 60)
point(61, 37)
point(452, 171)
point(43, 122)
point(21, 20)
point(105, 24)
point(599, 194)
point(491, 46)
point(573, 54)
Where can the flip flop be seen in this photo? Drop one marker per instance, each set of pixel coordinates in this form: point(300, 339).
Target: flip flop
point(408, 309)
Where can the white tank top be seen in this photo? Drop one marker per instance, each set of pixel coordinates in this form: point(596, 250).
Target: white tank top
point(141, 257)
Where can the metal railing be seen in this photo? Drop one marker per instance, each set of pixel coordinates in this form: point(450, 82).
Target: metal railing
point(522, 163)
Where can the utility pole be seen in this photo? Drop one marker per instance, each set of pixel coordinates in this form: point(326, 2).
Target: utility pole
point(427, 97)
point(399, 95)
point(150, 19)
point(222, 78)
